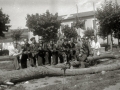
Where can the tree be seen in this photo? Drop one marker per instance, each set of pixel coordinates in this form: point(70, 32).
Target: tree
point(69, 32)
point(4, 19)
point(108, 18)
point(89, 33)
point(45, 25)
point(117, 35)
point(17, 35)
point(102, 34)
point(79, 23)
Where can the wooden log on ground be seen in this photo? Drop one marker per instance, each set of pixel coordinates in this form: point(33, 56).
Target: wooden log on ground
point(60, 65)
point(77, 63)
point(41, 71)
point(101, 57)
point(5, 58)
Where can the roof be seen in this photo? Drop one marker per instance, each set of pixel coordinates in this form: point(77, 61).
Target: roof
point(72, 16)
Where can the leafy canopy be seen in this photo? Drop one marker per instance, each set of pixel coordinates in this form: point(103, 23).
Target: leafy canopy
point(45, 25)
point(17, 35)
point(69, 32)
point(4, 19)
point(108, 17)
point(89, 32)
point(79, 23)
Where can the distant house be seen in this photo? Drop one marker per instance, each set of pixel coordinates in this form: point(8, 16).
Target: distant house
point(8, 34)
point(87, 16)
point(7, 40)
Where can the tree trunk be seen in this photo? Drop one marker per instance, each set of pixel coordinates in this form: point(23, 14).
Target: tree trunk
point(39, 72)
point(118, 41)
point(107, 39)
point(107, 47)
point(111, 43)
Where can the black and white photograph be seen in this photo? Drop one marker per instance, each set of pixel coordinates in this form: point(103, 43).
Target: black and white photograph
point(59, 45)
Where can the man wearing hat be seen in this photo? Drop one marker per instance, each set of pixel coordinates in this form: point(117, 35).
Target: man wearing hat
point(25, 50)
point(40, 55)
point(72, 49)
point(65, 50)
point(84, 53)
point(33, 51)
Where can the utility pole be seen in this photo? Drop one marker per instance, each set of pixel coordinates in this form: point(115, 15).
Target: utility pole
point(77, 9)
point(116, 2)
point(77, 16)
point(95, 29)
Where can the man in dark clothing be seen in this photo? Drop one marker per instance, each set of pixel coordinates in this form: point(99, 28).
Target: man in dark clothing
point(50, 49)
point(84, 53)
point(72, 49)
point(60, 54)
point(46, 53)
point(34, 52)
point(65, 46)
point(88, 45)
point(54, 55)
point(24, 57)
point(40, 55)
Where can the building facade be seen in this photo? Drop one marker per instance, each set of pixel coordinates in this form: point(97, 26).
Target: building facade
point(70, 19)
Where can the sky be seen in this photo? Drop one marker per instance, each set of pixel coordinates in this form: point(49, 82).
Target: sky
point(18, 9)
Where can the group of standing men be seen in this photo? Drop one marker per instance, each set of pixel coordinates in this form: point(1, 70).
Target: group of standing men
point(52, 53)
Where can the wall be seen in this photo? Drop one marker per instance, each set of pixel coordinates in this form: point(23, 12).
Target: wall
point(88, 24)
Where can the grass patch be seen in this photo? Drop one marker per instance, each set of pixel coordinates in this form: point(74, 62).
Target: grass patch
point(7, 65)
point(57, 81)
point(88, 82)
point(45, 83)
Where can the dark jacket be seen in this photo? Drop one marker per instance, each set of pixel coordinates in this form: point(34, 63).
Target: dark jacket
point(34, 49)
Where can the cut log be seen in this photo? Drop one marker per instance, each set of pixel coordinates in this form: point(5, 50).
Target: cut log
point(77, 63)
point(39, 72)
point(101, 57)
point(5, 58)
point(60, 65)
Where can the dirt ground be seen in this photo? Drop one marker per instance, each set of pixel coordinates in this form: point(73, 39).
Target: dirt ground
point(109, 80)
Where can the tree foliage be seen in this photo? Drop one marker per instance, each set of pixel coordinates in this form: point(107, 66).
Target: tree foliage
point(89, 32)
point(17, 35)
point(79, 23)
point(69, 32)
point(4, 19)
point(45, 25)
point(108, 17)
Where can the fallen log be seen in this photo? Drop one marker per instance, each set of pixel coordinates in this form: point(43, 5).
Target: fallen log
point(41, 71)
point(101, 57)
point(60, 65)
point(75, 63)
point(94, 58)
point(5, 58)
